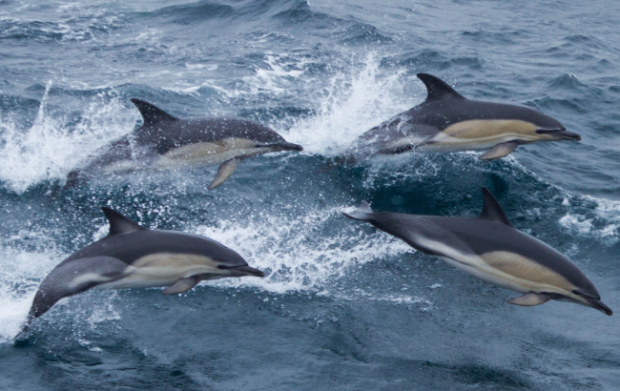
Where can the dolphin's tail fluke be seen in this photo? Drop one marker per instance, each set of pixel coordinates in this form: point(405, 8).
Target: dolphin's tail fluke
point(362, 213)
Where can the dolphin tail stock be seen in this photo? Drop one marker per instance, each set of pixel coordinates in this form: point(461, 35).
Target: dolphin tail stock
point(70, 279)
point(362, 213)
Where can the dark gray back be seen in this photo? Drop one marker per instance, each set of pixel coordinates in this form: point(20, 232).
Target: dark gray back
point(443, 113)
point(480, 236)
point(168, 135)
point(130, 247)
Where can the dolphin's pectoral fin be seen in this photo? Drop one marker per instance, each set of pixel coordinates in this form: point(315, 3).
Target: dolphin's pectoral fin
point(500, 150)
point(181, 286)
point(225, 170)
point(530, 299)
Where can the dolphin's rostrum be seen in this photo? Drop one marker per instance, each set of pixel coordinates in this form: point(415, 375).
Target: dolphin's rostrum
point(132, 256)
point(448, 122)
point(490, 248)
point(164, 141)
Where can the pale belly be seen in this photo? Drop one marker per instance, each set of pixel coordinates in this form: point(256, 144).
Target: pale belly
point(453, 144)
point(206, 158)
point(158, 270)
point(506, 280)
point(186, 158)
point(507, 270)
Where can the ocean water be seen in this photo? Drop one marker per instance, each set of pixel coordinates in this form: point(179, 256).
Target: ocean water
point(344, 306)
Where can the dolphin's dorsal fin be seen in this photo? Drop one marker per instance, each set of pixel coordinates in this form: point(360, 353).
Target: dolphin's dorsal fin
point(152, 114)
point(120, 224)
point(438, 89)
point(492, 210)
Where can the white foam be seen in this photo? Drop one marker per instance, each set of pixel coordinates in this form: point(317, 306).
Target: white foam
point(290, 252)
point(277, 76)
point(349, 105)
point(601, 223)
point(579, 224)
point(21, 272)
point(607, 209)
point(52, 146)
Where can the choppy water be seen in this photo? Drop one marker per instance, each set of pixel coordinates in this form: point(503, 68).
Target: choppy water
point(344, 306)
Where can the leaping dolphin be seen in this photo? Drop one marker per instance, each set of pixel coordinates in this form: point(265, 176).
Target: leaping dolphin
point(448, 122)
point(164, 141)
point(132, 256)
point(488, 247)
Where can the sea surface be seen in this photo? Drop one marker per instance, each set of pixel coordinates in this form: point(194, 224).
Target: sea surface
point(344, 306)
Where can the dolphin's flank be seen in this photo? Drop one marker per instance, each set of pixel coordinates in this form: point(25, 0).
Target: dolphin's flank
point(448, 122)
point(490, 248)
point(132, 256)
point(164, 141)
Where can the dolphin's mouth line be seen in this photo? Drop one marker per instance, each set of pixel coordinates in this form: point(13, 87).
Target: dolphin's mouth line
point(245, 268)
point(597, 304)
point(561, 133)
point(282, 146)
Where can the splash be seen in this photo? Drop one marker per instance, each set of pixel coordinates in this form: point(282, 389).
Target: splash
point(292, 257)
point(54, 145)
point(601, 220)
point(22, 269)
point(351, 103)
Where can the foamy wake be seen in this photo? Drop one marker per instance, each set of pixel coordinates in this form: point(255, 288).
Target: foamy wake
point(349, 105)
point(288, 250)
point(601, 222)
point(22, 268)
point(54, 146)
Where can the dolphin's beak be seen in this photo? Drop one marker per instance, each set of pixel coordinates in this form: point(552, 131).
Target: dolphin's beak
point(250, 271)
point(282, 146)
point(560, 134)
point(597, 304)
point(243, 270)
point(569, 136)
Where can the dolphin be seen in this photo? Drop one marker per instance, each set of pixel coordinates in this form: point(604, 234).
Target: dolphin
point(164, 141)
point(448, 122)
point(132, 256)
point(490, 248)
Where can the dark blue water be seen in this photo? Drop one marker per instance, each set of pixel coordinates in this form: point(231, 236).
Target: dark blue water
point(343, 306)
